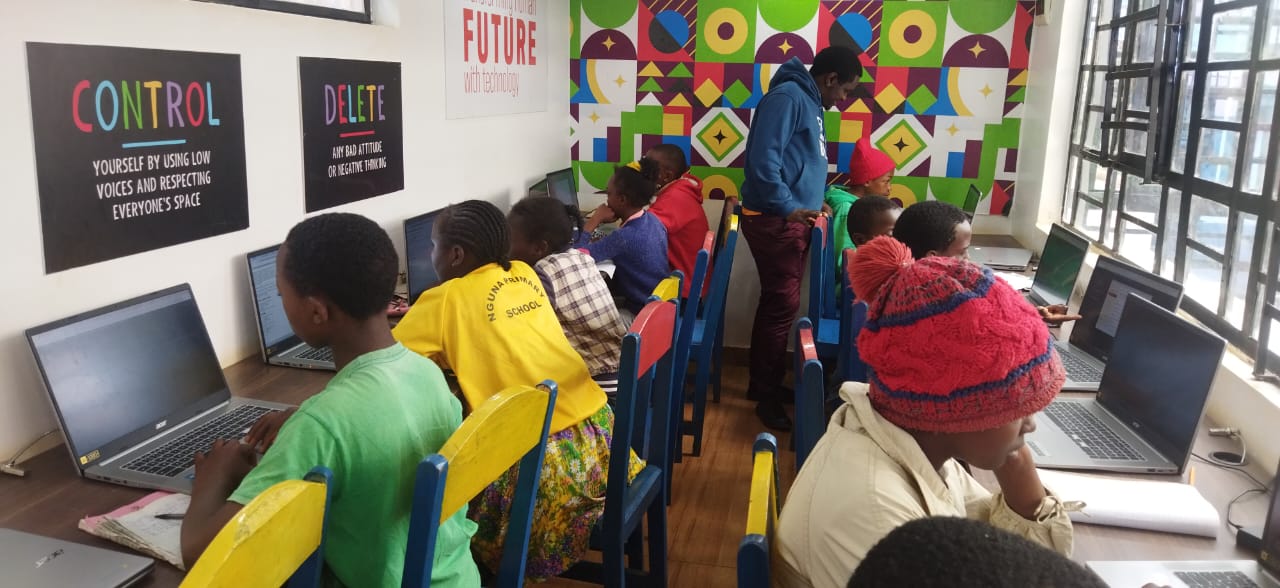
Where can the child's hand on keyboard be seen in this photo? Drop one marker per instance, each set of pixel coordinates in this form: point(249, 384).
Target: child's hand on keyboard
point(223, 467)
point(263, 433)
point(1056, 314)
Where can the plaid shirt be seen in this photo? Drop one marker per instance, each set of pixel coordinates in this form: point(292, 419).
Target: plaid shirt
point(585, 307)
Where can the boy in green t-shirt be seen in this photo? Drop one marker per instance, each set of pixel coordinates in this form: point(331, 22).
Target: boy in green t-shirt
point(384, 411)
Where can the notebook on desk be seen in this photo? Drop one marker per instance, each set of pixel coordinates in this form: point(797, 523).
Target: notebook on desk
point(35, 561)
point(1264, 572)
point(279, 344)
point(138, 390)
point(1149, 405)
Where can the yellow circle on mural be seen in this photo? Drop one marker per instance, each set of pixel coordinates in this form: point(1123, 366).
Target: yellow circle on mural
point(928, 34)
point(902, 194)
point(726, 185)
point(719, 20)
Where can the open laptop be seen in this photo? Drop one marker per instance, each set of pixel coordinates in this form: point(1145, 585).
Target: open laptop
point(1263, 572)
point(1060, 263)
point(138, 390)
point(1001, 258)
point(417, 254)
point(280, 345)
point(560, 186)
point(35, 561)
point(1152, 396)
point(1085, 354)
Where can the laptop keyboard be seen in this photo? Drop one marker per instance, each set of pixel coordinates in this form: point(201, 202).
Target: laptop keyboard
point(1216, 579)
point(1078, 370)
point(1097, 441)
point(317, 354)
point(171, 458)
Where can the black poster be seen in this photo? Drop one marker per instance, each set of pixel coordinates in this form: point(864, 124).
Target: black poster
point(352, 133)
point(136, 149)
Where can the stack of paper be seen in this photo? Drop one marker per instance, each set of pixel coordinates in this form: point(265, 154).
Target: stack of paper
point(135, 526)
point(1140, 504)
point(1016, 280)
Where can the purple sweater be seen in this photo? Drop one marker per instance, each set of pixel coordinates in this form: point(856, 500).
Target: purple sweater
point(639, 250)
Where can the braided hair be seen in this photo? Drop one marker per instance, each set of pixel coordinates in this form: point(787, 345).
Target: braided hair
point(636, 185)
point(479, 228)
point(542, 218)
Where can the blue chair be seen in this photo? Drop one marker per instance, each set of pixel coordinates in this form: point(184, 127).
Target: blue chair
point(831, 308)
point(826, 331)
point(731, 208)
point(853, 315)
point(644, 381)
point(708, 336)
point(762, 515)
point(509, 428)
point(810, 393)
point(686, 324)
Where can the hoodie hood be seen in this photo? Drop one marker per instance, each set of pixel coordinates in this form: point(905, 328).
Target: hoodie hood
point(687, 186)
point(794, 71)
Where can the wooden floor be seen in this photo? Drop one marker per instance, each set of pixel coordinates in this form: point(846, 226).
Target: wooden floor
point(708, 510)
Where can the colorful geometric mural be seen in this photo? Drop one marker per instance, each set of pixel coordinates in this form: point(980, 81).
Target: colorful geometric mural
point(941, 94)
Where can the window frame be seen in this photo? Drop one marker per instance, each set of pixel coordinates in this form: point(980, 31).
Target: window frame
point(293, 7)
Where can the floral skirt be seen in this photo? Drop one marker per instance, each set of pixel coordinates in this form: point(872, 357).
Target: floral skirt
point(570, 500)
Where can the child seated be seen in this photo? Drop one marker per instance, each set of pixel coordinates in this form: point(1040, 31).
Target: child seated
point(871, 217)
point(939, 228)
point(958, 365)
point(679, 207)
point(870, 174)
point(385, 410)
point(541, 236)
point(491, 322)
point(639, 247)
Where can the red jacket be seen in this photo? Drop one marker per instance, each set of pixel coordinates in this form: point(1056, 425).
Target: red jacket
point(679, 207)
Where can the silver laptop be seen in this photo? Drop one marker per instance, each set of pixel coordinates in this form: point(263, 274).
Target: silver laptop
point(1263, 572)
point(280, 345)
point(138, 389)
point(1060, 263)
point(417, 254)
point(1001, 258)
point(1085, 354)
point(35, 561)
point(1152, 396)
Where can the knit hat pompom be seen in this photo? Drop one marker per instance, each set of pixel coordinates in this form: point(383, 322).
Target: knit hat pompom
point(875, 263)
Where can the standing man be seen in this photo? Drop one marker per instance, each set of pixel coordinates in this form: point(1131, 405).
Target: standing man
point(786, 175)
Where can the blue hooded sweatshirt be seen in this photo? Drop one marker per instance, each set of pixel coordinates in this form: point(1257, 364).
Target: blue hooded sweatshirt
point(786, 166)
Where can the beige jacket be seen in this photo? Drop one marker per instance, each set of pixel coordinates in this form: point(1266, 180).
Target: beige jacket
point(866, 477)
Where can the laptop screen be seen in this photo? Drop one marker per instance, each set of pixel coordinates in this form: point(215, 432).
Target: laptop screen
point(1159, 376)
point(1060, 263)
point(277, 335)
point(136, 367)
point(1113, 280)
point(417, 254)
point(560, 186)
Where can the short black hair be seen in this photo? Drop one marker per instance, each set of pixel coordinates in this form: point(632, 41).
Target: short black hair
point(951, 551)
point(346, 258)
point(838, 59)
point(673, 154)
point(479, 228)
point(542, 218)
point(636, 187)
point(928, 226)
point(864, 210)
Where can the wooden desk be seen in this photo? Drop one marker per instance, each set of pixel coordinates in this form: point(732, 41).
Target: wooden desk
point(51, 499)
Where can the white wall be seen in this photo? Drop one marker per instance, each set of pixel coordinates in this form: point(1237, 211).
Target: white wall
point(446, 161)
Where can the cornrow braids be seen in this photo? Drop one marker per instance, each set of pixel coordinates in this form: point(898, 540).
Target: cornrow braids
point(479, 228)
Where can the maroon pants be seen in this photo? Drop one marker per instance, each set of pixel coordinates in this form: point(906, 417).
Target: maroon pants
point(779, 248)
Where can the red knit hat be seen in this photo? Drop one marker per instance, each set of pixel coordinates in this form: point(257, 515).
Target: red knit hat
point(949, 348)
point(868, 163)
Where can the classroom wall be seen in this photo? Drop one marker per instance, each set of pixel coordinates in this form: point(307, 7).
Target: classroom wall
point(495, 158)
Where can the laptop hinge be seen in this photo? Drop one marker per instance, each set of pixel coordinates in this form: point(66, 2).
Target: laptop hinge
point(171, 430)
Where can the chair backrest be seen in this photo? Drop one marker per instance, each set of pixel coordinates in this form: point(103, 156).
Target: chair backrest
point(713, 309)
point(809, 392)
point(643, 402)
point(818, 262)
point(853, 315)
point(762, 514)
point(731, 208)
point(286, 521)
point(831, 275)
point(689, 311)
point(510, 427)
point(669, 288)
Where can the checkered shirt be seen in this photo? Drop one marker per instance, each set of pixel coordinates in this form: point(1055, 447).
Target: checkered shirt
point(585, 307)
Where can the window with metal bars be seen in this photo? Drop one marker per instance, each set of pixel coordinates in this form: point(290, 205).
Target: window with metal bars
point(1171, 162)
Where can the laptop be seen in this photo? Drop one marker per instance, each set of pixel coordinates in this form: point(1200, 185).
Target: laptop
point(138, 390)
point(1001, 258)
point(417, 254)
point(538, 189)
point(1263, 572)
point(280, 345)
point(1085, 354)
point(34, 561)
point(1060, 264)
point(1152, 396)
point(560, 186)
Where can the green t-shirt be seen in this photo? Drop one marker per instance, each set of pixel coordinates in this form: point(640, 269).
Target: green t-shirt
point(371, 426)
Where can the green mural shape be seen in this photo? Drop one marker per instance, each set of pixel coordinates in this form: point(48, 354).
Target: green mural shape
point(718, 18)
point(646, 120)
point(595, 173)
point(831, 124)
point(924, 23)
point(737, 94)
point(608, 14)
point(650, 85)
point(983, 16)
point(788, 15)
point(953, 190)
point(921, 99)
point(918, 186)
point(994, 138)
point(1019, 96)
point(735, 174)
point(680, 71)
point(575, 34)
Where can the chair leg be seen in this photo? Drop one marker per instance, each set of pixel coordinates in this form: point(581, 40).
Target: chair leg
point(716, 363)
point(635, 549)
point(657, 544)
point(699, 407)
point(615, 571)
